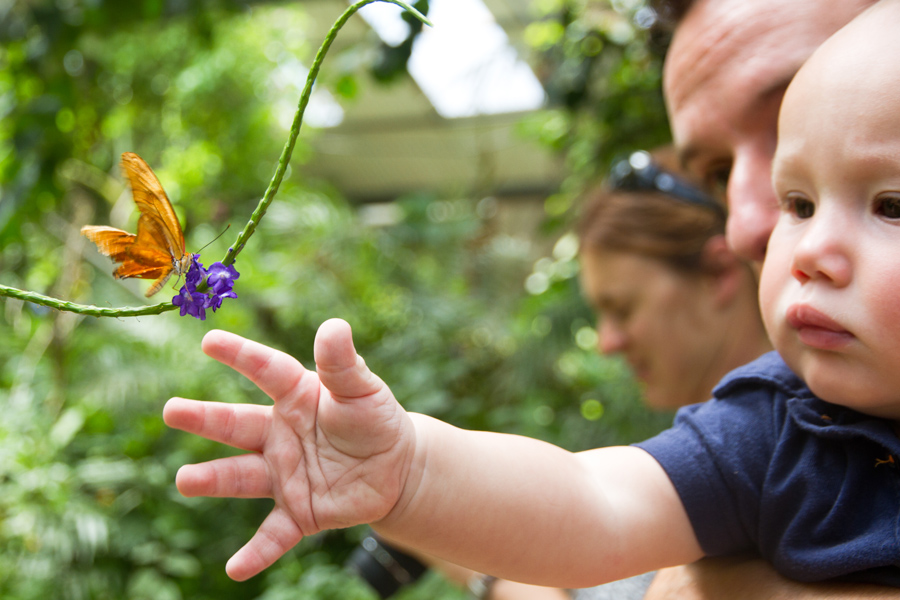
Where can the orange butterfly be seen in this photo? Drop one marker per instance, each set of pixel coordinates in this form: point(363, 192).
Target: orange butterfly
point(158, 248)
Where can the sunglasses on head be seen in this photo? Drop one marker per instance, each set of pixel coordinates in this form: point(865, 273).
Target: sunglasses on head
point(638, 172)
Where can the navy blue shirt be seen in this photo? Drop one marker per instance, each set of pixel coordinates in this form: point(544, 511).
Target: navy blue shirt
point(767, 466)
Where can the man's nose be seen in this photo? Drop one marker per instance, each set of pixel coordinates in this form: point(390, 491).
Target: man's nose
point(752, 207)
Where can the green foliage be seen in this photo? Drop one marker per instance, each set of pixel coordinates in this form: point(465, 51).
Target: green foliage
point(604, 83)
point(88, 507)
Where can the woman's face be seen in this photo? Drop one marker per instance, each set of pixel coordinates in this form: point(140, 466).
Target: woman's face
point(658, 319)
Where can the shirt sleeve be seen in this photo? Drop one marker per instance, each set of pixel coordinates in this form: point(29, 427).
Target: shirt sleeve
point(716, 455)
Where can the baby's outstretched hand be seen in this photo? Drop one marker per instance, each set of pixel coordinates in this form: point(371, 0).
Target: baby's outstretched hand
point(334, 450)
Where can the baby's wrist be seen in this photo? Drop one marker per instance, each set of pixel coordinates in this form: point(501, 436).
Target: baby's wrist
point(413, 476)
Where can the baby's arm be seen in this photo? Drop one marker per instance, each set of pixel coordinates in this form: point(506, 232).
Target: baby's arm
point(336, 450)
point(529, 511)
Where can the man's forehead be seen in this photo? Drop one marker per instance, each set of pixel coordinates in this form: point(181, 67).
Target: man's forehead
point(716, 38)
point(730, 57)
point(730, 39)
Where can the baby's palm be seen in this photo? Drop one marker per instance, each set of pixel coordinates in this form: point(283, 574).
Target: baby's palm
point(333, 452)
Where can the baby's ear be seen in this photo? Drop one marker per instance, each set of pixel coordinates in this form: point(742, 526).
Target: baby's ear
point(726, 271)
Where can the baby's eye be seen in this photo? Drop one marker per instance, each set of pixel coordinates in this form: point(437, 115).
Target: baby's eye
point(888, 207)
point(800, 206)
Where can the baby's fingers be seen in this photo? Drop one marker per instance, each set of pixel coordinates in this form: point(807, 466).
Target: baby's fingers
point(277, 534)
point(242, 476)
point(240, 425)
point(276, 373)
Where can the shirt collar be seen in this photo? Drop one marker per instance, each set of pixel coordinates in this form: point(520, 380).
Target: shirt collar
point(810, 413)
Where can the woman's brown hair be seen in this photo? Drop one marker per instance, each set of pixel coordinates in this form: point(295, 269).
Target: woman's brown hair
point(650, 222)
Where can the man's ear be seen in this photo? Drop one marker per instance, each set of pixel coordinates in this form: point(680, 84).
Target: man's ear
point(724, 269)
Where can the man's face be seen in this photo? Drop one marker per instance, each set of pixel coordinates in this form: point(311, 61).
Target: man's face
point(727, 69)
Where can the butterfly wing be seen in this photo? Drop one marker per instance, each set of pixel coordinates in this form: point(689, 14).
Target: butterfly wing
point(158, 247)
point(140, 260)
point(153, 203)
point(110, 241)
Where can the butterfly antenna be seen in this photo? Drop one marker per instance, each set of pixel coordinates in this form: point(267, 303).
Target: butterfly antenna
point(215, 238)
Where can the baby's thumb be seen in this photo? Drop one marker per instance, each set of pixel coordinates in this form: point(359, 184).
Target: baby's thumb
point(340, 368)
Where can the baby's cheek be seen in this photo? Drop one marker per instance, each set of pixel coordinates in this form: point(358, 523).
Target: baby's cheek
point(771, 290)
point(884, 308)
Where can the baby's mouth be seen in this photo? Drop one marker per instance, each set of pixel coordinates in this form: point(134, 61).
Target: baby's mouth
point(816, 329)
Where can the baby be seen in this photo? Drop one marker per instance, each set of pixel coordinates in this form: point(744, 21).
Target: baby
point(795, 458)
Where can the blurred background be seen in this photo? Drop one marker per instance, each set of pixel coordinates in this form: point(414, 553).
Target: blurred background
point(429, 203)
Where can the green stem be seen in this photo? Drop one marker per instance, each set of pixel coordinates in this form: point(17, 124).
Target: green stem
point(267, 198)
point(255, 218)
point(85, 309)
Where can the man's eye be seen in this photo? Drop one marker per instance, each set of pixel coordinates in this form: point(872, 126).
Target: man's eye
point(889, 207)
point(800, 207)
point(717, 178)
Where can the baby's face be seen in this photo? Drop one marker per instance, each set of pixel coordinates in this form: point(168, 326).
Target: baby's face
point(830, 285)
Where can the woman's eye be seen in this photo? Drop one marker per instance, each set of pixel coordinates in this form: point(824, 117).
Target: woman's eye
point(621, 315)
point(616, 313)
point(889, 207)
point(802, 208)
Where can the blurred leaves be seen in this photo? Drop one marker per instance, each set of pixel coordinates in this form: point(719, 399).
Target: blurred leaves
point(597, 63)
point(462, 324)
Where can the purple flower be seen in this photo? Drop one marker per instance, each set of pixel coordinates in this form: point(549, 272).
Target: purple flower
point(215, 301)
point(195, 273)
point(219, 279)
point(191, 303)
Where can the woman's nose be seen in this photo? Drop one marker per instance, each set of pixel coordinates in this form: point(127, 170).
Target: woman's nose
point(611, 338)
